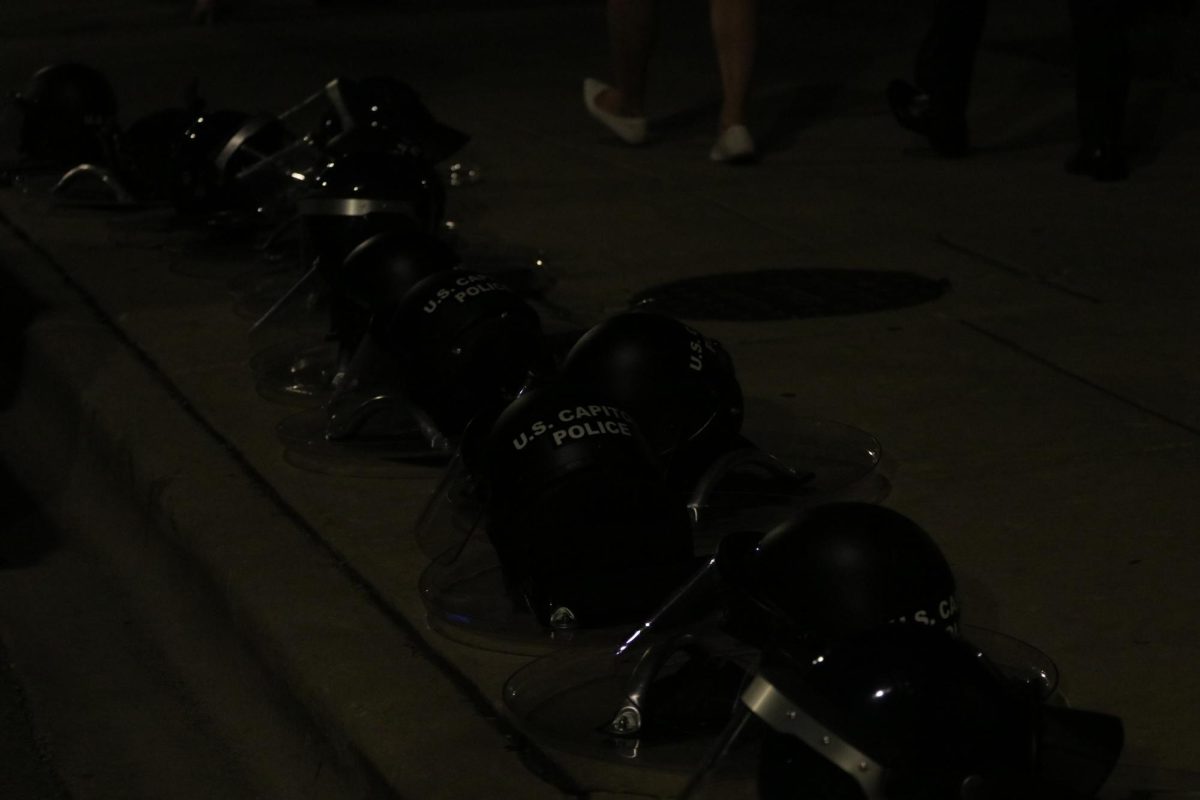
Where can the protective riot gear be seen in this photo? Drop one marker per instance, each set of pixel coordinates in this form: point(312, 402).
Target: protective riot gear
point(665, 695)
point(678, 384)
point(266, 162)
point(70, 115)
point(199, 185)
point(381, 112)
point(353, 198)
point(584, 527)
point(150, 151)
point(242, 162)
point(381, 270)
point(461, 341)
point(906, 712)
point(371, 411)
point(837, 569)
point(92, 185)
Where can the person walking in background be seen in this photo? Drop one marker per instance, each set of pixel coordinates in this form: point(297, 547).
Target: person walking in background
point(633, 31)
point(935, 106)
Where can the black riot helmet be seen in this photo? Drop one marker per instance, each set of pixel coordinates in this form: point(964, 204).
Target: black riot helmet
point(916, 713)
point(70, 115)
point(376, 276)
point(578, 511)
point(149, 151)
point(838, 569)
point(678, 384)
point(382, 112)
point(461, 341)
point(199, 185)
point(381, 270)
point(358, 195)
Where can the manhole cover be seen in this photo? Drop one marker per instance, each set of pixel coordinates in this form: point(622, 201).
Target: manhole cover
point(790, 294)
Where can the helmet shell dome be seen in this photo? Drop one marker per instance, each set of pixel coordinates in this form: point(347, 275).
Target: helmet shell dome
point(842, 568)
point(199, 185)
point(679, 384)
point(70, 114)
point(461, 341)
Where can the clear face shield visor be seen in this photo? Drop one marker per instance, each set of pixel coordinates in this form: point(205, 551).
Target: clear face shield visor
point(368, 423)
point(269, 161)
point(814, 461)
point(272, 157)
point(656, 706)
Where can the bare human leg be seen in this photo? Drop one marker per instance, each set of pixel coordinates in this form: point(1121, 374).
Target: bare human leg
point(632, 32)
point(734, 28)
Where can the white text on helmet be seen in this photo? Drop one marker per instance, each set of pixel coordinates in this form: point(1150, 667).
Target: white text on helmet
point(946, 615)
point(468, 286)
point(580, 422)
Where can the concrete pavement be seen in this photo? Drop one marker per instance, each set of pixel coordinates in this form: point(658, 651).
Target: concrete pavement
point(1042, 414)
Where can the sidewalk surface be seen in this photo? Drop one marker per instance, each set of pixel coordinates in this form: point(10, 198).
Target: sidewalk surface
point(1043, 414)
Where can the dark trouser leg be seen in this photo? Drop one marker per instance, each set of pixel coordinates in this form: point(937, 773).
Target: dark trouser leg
point(1101, 68)
point(947, 55)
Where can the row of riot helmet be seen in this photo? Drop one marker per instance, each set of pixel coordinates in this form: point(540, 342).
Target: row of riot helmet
point(722, 615)
point(698, 601)
point(207, 161)
point(605, 498)
point(352, 170)
point(822, 655)
point(354, 164)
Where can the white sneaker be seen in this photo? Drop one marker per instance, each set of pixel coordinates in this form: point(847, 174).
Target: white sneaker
point(631, 130)
point(733, 146)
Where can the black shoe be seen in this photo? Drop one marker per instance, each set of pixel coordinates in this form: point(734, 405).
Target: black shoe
point(915, 110)
point(1104, 162)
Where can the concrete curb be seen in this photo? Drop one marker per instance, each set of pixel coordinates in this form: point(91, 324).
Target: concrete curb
point(92, 412)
